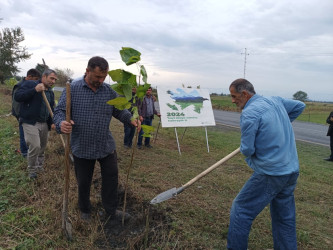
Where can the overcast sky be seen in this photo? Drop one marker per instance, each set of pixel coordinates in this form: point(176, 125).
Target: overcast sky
point(289, 43)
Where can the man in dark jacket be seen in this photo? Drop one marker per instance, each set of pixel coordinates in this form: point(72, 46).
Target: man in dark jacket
point(35, 118)
point(330, 134)
point(34, 75)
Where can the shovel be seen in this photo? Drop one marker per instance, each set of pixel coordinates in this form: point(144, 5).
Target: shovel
point(66, 224)
point(174, 191)
point(51, 114)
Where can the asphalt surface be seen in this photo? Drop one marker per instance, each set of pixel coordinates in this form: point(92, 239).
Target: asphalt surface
point(304, 131)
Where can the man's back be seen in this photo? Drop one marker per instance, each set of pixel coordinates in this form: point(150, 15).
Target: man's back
point(267, 135)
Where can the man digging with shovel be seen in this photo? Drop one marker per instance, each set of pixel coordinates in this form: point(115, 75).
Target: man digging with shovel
point(268, 142)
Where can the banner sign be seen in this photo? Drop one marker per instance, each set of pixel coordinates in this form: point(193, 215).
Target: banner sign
point(185, 107)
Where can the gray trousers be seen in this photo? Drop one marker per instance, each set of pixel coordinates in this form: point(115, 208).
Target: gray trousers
point(36, 139)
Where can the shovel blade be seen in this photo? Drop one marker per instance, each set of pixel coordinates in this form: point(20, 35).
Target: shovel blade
point(166, 195)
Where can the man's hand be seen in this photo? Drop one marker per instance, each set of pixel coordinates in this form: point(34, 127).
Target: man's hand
point(136, 123)
point(40, 87)
point(66, 127)
point(53, 126)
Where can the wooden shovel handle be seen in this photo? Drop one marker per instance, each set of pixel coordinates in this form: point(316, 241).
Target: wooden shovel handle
point(211, 168)
point(67, 167)
point(51, 114)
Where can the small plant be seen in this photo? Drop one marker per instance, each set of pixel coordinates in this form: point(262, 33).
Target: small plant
point(125, 81)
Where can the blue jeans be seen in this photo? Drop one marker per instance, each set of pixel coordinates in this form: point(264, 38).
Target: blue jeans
point(129, 132)
point(259, 191)
point(146, 121)
point(23, 145)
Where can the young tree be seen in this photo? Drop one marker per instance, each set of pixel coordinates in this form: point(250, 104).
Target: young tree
point(300, 96)
point(11, 53)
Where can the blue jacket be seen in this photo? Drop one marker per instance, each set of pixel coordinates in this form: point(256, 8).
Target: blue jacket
point(267, 138)
point(32, 102)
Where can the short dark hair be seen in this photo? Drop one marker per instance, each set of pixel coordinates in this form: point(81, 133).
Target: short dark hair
point(33, 73)
point(242, 84)
point(47, 72)
point(98, 61)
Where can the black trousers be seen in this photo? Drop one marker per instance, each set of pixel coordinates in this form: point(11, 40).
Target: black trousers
point(84, 170)
point(331, 145)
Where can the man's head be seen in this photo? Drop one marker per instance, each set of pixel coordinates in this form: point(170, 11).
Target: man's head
point(96, 71)
point(49, 78)
point(33, 74)
point(149, 91)
point(241, 90)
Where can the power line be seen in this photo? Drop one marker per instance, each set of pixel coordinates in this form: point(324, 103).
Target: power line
point(245, 54)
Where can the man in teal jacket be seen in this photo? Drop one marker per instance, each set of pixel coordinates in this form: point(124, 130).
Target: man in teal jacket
point(268, 142)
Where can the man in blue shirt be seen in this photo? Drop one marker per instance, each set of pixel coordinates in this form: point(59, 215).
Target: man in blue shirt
point(268, 142)
point(91, 138)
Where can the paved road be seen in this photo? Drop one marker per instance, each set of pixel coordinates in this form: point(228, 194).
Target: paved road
point(304, 131)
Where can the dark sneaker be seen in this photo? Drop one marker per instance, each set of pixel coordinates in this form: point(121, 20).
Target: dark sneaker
point(148, 146)
point(127, 146)
point(85, 216)
point(33, 176)
point(328, 159)
point(139, 146)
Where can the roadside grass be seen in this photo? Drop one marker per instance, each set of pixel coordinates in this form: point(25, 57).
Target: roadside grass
point(316, 112)
point(198, 218)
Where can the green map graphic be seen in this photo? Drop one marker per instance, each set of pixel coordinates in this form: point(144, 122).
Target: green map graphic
point(183, 100)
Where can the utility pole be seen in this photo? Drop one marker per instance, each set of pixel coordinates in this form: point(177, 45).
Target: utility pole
point(245, 54)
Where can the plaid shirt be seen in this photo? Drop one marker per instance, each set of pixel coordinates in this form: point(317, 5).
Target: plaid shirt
point(91, 137)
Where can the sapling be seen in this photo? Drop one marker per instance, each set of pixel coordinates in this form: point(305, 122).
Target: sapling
point(125, 81)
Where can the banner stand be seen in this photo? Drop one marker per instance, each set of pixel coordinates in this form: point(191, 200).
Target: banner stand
point(177, 141)
point(183, 136)
point(207, 140)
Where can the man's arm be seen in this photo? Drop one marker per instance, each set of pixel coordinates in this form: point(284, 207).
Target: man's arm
point(294, 108)
point(329, 119)
point(249, 127)
point(26, 91)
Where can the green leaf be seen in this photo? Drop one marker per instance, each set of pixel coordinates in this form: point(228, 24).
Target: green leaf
point(127, 89)
point(118, 88)
point(120, 103)
point(147, 130)
point(141, 90)
point(123, 76)
point(129, 55)
point(135, 112)
point(143, 73)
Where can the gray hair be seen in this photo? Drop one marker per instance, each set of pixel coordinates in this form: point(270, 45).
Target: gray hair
point(47, 72)
point(243, 84)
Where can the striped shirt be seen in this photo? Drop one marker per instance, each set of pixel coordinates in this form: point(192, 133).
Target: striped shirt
point(91, 137)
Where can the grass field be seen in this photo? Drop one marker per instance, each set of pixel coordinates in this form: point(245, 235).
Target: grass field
point(316, 112)
point(30, 212)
